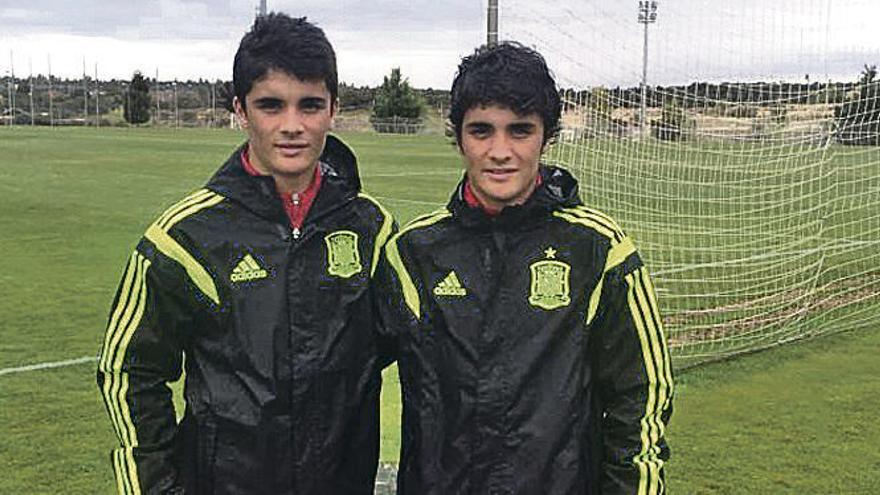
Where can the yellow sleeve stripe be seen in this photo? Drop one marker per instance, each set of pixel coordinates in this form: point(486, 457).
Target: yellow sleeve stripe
point(384, 232)
point(125, 320)
point(594, 300)
point(590, 223)
point(642, 306)
point(175, 251)
point(597, 217)
point(116, 314)
point(123, 487)
point(165, 222)
point(158, 235)
point(621, 245)
point(410, 293)
point(618, 253)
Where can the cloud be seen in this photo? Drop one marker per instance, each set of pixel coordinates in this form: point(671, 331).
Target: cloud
point(146, 19)
point(591, 42)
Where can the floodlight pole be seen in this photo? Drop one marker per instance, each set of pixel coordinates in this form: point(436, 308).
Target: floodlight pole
point(647, 15)
point(492, 28)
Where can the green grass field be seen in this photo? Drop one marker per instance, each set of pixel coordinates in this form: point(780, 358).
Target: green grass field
point(797, 419)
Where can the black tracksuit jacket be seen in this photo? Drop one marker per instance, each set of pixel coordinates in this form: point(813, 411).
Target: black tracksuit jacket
point(530, 351)
point(276, 327)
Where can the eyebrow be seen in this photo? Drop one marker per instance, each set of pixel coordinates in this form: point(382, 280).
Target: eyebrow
point(523, 125)
point(478, 124)
point(267, 99)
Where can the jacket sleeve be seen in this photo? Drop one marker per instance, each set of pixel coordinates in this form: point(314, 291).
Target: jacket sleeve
point(398, 302)
point(386, 346)
point(142, 351)
point(634, 377)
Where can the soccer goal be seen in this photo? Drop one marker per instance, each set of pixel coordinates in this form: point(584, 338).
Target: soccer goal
point(738, 143)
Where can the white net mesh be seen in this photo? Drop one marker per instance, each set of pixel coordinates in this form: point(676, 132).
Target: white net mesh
point(750, 178)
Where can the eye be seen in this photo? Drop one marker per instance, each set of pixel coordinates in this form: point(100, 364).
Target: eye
point(269, 104)
point(522, 130)
point(312, 105)
point(479, 131)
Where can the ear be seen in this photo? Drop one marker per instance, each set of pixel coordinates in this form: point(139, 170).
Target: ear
point(240, 112)
point(334, 108)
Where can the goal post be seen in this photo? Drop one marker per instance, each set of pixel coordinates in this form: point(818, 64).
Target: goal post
point(738, 142)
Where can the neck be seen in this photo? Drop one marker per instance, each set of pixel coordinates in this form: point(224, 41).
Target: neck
point(475, 199)
point(295, 183)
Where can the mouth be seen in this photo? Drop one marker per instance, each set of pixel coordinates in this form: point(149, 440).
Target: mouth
point(291, 149)
point(499, 173)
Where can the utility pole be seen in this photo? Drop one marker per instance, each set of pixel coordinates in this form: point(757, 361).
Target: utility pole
point(261, 11)
point(158, 97)
point(176, 114)
point(492, 28)
point(51, 115)
point(213, 106)
point(31, 88)
point(647, 15)
point(85, 95)
point(12, 89)
point(97, 92)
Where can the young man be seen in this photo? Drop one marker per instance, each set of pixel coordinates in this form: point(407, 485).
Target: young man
point(261, 281)
point(530, 349)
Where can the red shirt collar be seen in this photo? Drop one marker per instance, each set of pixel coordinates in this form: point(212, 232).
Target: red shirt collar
point(474, 202)
point(295, 205)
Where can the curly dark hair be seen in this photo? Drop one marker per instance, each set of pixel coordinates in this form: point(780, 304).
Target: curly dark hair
point(294, 46)
point(511, 75)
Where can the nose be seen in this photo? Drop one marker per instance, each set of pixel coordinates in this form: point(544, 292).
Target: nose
point(500, 150)
point(292, 122)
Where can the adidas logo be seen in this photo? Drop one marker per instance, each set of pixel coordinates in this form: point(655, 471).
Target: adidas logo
point(450, 286)
point(248, 269)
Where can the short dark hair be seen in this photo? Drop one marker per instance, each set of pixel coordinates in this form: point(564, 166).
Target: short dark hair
point(507, 74)
point(294, 46)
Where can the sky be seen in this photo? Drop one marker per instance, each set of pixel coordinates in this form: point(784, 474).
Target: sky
point(586, 42)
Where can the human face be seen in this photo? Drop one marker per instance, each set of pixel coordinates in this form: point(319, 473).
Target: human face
point(501, 151)
point(287, 121)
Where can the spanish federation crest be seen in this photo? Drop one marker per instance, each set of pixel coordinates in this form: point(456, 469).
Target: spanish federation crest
point(550, 287)
point(343, 258)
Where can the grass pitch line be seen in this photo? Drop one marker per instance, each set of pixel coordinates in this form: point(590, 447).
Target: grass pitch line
point(44, 366)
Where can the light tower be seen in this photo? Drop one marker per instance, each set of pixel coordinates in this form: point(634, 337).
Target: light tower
point(647, 15)
point(492, 29)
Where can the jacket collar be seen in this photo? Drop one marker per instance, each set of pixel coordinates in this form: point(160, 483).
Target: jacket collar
point(340, 183)
point(558, 189)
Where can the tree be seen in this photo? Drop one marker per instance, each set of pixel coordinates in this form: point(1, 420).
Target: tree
point(397, 102)
point(225, 95)
point(868, 74)
point(858, 118)
point(136, 108)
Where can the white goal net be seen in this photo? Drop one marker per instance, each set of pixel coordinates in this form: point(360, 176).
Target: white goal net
point(747, 169)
